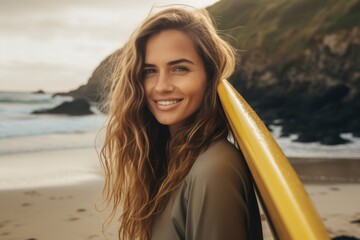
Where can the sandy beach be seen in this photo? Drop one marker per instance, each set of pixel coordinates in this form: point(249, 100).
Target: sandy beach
point(53, 194)
point(59, 212)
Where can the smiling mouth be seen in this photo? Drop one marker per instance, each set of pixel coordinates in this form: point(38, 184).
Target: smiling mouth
point(167, 103)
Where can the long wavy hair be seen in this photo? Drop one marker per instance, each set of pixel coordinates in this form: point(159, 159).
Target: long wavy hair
point(143, 166)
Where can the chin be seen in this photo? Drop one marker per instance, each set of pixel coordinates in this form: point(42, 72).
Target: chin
point(169, 122)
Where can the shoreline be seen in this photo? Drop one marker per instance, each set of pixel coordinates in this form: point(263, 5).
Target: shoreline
point(49, 168)
point(58, 167)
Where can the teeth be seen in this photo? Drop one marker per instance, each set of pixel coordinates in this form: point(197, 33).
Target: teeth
point(167, 103)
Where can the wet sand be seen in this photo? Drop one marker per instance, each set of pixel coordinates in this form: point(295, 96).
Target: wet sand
point(327, 170)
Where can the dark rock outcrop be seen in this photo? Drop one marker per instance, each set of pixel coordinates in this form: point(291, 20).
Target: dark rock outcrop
point(76, 107)
point(39, 92)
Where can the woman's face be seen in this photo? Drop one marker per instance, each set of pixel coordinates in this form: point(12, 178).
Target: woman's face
point(174, 78)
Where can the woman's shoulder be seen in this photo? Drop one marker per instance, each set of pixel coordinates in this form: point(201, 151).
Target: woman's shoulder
point(221, 159)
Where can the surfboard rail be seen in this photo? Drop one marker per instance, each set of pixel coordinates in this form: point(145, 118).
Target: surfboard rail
point(286, 203)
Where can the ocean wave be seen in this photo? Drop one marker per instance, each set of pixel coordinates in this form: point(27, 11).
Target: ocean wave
point(9, 100)
point(315, 149)
point(30, 98)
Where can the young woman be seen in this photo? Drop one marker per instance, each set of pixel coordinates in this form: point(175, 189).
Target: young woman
point(170, 170)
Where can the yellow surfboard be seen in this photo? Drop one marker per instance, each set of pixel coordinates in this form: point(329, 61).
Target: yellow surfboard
point(288, 207)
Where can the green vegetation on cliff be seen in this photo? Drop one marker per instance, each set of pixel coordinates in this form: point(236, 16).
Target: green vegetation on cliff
point(282, 26)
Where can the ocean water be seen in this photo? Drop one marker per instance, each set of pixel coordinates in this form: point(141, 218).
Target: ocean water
point(22, 132)
point(17, 122)
point(16, 119)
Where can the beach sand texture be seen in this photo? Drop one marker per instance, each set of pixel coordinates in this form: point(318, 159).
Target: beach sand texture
point(52, 194)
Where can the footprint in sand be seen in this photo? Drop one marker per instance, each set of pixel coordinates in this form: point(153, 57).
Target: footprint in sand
point(81, 210)
point(357, 221)
point(93, 236)
point(4, 223)
point(26, 204)
point(334, 189)
point(32, 193)
point(5, 234)
point(60, 198)
point(72, 219)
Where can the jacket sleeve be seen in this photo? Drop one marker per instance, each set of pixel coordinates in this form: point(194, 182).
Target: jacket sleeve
point(217, 201)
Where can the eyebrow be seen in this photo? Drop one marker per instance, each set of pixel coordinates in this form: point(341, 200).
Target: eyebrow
point(174, 62)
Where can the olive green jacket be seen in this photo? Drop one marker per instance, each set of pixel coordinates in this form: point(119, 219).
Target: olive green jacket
point(216, 201)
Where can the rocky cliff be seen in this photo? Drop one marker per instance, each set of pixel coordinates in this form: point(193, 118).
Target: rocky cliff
point(315, 94)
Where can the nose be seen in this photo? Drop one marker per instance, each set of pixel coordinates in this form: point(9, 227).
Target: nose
point(163, 83)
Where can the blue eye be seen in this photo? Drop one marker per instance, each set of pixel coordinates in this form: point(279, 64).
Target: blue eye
point(180, 69)
point(149, 71)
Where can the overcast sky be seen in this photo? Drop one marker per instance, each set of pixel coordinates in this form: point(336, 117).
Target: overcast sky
point(55, 45)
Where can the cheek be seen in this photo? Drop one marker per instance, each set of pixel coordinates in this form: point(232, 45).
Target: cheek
point(146, 85)
point(197, 92)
